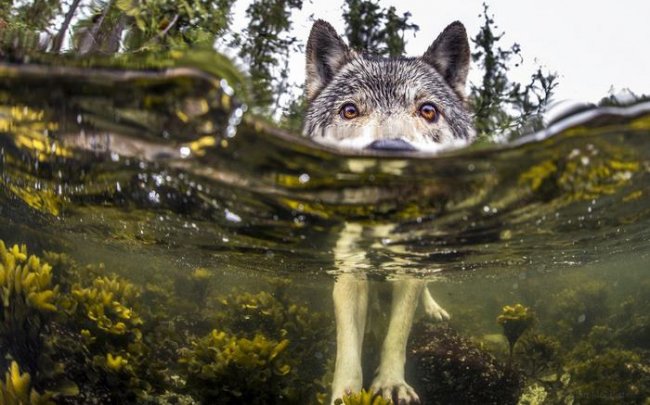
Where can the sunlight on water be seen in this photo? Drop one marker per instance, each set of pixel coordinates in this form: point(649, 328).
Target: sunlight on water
point(202, 215)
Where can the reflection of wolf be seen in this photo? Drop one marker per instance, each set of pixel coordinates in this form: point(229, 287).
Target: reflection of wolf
point(396, 104)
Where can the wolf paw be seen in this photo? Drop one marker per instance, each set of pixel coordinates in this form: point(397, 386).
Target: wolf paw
point(396, 389)
point(346, 384)
point(432, 309)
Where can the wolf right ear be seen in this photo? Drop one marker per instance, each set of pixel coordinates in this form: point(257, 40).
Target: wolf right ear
point(449, 55)
point(326, 54)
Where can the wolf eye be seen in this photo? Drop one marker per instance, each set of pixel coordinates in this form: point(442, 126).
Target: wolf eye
point(429, 112)
point(349, 111)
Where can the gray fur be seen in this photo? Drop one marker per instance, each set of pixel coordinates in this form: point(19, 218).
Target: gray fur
point(387, 92)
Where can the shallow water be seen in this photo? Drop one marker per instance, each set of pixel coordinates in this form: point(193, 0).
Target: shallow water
point(158, 174)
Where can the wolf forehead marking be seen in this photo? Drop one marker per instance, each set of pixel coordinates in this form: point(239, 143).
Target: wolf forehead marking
point(387, 93)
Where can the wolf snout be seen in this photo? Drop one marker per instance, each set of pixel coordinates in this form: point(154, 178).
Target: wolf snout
point(391, 145)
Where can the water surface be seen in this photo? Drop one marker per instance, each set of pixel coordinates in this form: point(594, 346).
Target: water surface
point(156, 174)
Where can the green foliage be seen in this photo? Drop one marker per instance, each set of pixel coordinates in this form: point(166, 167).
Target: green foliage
point(293, 113)
point(499, 104)
point(150, 25)
point(376, 30)
point(265, 47)
point(172, 24)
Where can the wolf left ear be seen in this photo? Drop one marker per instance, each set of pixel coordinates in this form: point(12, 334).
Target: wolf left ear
point(449, 55)
point(326, 54)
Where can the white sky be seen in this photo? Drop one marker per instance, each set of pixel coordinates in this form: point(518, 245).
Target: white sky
point(592, 44)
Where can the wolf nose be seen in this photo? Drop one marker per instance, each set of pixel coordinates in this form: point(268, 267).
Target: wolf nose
point(391, 145)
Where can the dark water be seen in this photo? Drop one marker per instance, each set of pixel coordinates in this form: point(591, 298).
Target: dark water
point(156, 174)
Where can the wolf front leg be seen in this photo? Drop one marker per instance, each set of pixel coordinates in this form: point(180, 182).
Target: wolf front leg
point(390, 380)
point(350, 297)
point(350, 306)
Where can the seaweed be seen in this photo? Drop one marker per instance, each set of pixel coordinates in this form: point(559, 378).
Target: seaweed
point(76, 332)
point(538, 353)
point(576, 310)
point(28, 301)
point(253, 326)
point(447, 368)
point(17, 389)
point(363, 398)
point(515, 320)
point(226, 369)
point(613, 376)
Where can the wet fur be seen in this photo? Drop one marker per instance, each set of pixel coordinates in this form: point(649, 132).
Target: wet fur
point(387, 93)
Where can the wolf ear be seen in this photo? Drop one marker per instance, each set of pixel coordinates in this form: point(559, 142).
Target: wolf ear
point(326, 54)
point(449, 55)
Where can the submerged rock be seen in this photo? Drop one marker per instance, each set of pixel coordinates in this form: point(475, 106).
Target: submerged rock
point(446, 368)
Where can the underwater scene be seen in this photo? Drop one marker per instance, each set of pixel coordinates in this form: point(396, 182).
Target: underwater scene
point(161, 245)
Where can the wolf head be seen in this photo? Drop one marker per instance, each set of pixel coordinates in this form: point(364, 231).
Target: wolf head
point(358, 101)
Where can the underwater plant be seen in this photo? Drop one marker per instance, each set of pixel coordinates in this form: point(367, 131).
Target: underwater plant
point(87, 336)
point(27, 300)
point(614, 376)
point(17, 390)
point(226, 369)
point(278, 315)
point(534, 394)
point(106, 304)
point(515, 320)
point(104, 316)
point(575, 310)
point(446, 368)
point(363, 398)
point(538, 353)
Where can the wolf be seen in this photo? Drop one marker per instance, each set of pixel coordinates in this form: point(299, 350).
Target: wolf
point(363, 102)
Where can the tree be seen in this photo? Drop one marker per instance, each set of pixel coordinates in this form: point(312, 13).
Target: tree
point(498, 103)
point(265, 48)
point(372, 29)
